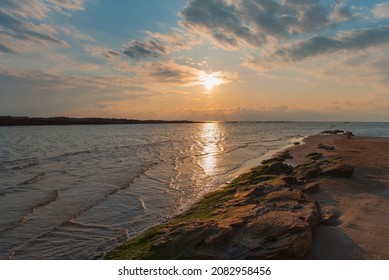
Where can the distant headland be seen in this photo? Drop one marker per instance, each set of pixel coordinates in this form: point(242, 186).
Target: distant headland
point(16, 121)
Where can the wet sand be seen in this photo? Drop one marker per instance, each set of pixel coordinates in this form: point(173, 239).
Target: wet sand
point(360, 203)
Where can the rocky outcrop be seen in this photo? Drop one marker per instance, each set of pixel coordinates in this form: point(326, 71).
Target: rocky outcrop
point(275, 225)
point(307, 170)
point(314, 168)
point(336, 169)
point(263, 214)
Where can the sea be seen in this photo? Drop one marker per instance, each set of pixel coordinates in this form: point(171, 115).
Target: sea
point(76, 192)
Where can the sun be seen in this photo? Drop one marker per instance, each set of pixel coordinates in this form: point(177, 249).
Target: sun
point(210, 80)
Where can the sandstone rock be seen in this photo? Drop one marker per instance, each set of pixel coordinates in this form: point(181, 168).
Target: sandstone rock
point(311, 188)
point(329, 217)
point(306, 171)
point(284, 194)
point(283, 181)
point(336, 170)
point(265, 223)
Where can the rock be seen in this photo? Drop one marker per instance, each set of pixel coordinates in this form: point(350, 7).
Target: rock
point(301, 244)
point(312, 169)
point(264, 222)
point(314, 156)
point(283, 181)
point(311, 188)
point(274, 168)
point(334, 131)
point(336, 170)
point(325, 147)
point(306, 171)
point(284, 194)
point(257, 216)
point(274, 232)
point(219, 236)
point(275, 235)
point(349, 134)
point(330, 217)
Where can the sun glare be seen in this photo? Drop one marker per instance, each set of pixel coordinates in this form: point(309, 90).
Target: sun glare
point(210, 80)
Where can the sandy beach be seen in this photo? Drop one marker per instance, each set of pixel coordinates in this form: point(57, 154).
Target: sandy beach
point(324, 199)
point(359, 203)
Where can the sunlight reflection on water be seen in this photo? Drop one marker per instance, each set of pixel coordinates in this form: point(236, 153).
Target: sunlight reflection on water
point(211, 135)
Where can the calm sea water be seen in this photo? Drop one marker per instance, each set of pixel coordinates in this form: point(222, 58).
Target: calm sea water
point(75, 192)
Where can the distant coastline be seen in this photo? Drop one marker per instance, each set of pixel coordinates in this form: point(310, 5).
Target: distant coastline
point(27, 121)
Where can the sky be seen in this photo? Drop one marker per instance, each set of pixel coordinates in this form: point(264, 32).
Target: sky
point(206, 60)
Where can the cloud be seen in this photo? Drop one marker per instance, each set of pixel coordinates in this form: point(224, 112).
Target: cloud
point(252, 23)
point(6, 49)
point(355, 40)
point(171, 72)
point(167, 73)
point(284, 113)
point(176, 40)
point(220, 21)
point(68, 4)
point(102, 51)
point(158, 45)
point(20, 82)
point(381, 10)
point(341, 13)
point(174, 74)
point(19, 27)
point(147, 49)
point(36, 9)
point(381, 69)
point(16, 29)
point(74, 33)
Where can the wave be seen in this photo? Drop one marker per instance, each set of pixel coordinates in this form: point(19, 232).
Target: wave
point(77, 153)
point(53, 198)
point(142, 173)
point(29, 162)
point(33, 179)
point(86, 226)
point(25, 165)
point(97, 202)
point(143, 204)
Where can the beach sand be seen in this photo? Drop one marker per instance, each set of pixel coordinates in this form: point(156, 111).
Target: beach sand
point(360, 203)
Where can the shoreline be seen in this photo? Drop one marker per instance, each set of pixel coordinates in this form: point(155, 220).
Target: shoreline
point(285, 209)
